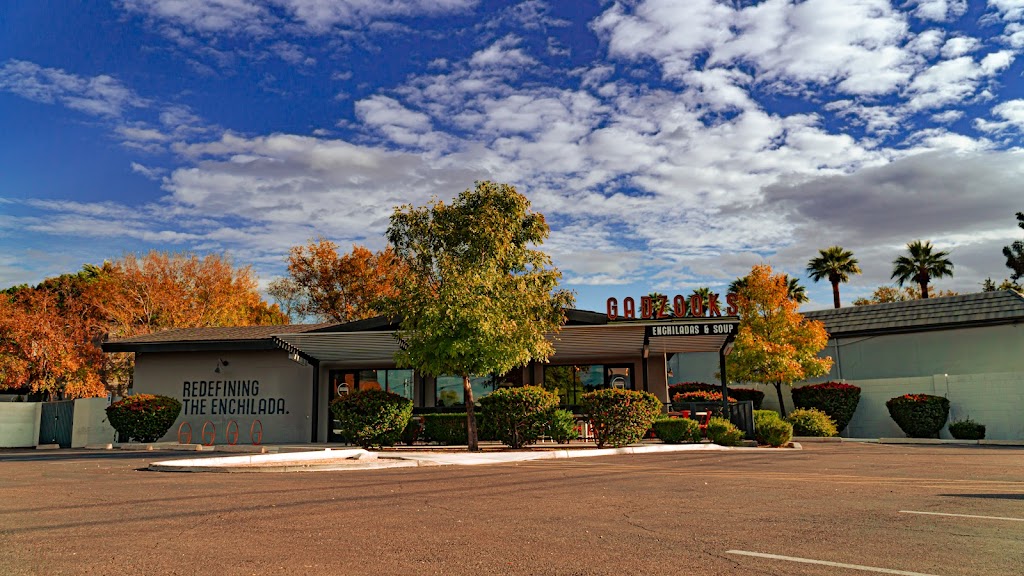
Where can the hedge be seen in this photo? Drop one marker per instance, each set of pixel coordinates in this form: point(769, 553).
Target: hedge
point(372, 418)
point(967, 430)
point(677, 430)
point(619, 417)
point(698, 396)
point(836, 399)
point(518, 416)
point(447, 429)
point(811, 422)
point(919, 415)
point(738, 394)
point(143, 417)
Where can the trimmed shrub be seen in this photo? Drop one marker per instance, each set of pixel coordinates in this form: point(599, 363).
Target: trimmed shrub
point(919, 415)
point(761, 419)
point(967, 430)
point(561, 426)
point(619, 417)
point(446, 429)
point(677, 430)
point(699, 396)
point(811, 422)
point(684, 387)
point(518, 416)
point(143, 417)
point(745, 394)
point(412, 431)
point(724, 433)
point(372, 417)
point(836, 399)
point(774, 432)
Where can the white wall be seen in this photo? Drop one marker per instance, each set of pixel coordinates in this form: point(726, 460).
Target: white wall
point(281, 398)
point(19, 424)
point(90, 424)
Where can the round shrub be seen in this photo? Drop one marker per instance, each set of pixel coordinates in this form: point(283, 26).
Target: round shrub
point(448, 429)
point(619, 417)
point(836, 399)
point(967, 430)
point(372, 417)
point(684, 387)
point(811, 422)
point(561, 426)
point(919, 415)
point(518, 416)
point(761, 419)
point(774, 433)
point(143, 417)
point(724, 433)
point(677, 430)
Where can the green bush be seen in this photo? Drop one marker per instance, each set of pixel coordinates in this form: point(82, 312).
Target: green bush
point(143, 417)
point(811, 422)
point(919, 415)
point(745, 394)
point(677, 430)
point(967, 430)
point(561, 426)
point(774, 432)
point(836, 399)
point(411, 432)
point(724, 433)
point(372, 418)
point(761, 418)
point(519, 415)
point(447, 429)
point(619, 417)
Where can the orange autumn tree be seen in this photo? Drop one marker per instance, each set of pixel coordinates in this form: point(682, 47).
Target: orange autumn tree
point(774, 343)
point(44, 350)
point(333, 287)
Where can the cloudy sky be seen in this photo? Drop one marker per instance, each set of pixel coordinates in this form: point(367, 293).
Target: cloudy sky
point(670, 143)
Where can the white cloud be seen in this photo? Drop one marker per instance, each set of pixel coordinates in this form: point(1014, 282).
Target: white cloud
point(98, 95)
point(959, 45)
point(940, 10)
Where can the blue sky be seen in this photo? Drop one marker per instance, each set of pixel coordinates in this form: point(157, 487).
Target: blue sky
point(670, 143)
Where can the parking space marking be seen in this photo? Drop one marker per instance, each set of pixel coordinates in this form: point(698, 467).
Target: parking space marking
point(827, 563)
point(962, 515)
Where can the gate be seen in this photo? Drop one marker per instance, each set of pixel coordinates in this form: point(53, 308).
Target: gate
point(55, 423)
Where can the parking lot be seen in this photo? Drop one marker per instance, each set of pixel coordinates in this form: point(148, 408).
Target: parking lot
point(828, 509)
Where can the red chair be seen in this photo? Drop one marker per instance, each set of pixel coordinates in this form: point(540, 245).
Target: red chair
point(704, 423)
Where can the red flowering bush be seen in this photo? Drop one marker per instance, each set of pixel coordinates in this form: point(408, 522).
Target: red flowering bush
point(919, 415)
point(143, 417)
point(619, 417)
point(836, 399)
point(699, 396)
point(740, 394)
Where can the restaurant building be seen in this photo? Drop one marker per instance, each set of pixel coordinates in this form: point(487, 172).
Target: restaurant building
point(285, 377)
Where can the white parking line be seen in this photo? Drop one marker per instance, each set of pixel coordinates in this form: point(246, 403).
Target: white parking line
point(962, 515)
point(826, 563)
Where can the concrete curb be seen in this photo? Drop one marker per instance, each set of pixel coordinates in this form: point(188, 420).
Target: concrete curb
point(809, 439)
point(287, 462)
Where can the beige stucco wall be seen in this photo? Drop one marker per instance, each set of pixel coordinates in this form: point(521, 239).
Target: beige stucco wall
point(90, 424)
point(980, 370)
point(19, 424)
point(281, 398)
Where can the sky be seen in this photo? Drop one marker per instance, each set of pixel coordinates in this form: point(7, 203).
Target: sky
point(671, 144)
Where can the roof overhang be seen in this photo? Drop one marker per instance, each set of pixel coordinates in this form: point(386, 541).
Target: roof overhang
point(572, 343)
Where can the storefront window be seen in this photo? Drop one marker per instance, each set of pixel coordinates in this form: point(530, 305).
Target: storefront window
point(570, 382)
point(450, 391)
point(398, 381)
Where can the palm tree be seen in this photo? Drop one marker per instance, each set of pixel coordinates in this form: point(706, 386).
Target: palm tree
point(705, 296)
point(922, 265)
point(737, 285)
point(795, 291)
point(836, 264)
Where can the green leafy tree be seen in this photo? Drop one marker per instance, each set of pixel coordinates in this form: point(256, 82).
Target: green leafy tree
point(774, 343)
point(479, 298)
point(836, 264)
point(921, 264)
point(1015, 253)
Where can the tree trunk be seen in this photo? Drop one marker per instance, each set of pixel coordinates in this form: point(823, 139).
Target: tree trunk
point(467, 389)
point(924, 289)
point(835, 293)
point(782, 403)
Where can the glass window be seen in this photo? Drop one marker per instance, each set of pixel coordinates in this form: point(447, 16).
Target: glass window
point(401, 382)
point(450, 392)
point(572, 381)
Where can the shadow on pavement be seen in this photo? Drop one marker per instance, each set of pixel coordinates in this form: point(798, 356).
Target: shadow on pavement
point(988, 496)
